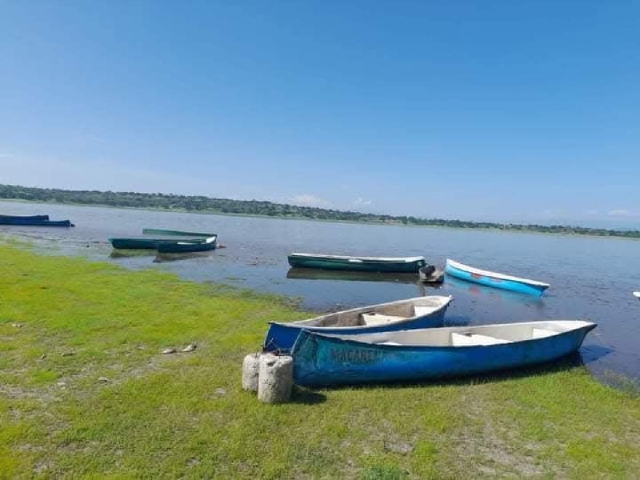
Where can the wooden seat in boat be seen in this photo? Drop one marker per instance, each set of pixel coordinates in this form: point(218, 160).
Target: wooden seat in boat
point(379, 319)
point(461, 339)
point(419, 311)
point(542, 332)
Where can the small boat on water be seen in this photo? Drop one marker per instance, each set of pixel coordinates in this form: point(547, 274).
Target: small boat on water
point(175, 233)
point(494, 279)
point(321, 360)
point(33, 221)
point(361, 264)
point(146, 243)
point(7, 219)
point(182, 246)
point(636, 294)
point(419, 312)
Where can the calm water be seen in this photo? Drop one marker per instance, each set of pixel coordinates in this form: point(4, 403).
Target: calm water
point(591, 278)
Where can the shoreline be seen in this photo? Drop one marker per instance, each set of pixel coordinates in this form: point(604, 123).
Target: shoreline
point(85, 391)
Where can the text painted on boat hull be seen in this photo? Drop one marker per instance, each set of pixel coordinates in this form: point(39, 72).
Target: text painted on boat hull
point(355, 356)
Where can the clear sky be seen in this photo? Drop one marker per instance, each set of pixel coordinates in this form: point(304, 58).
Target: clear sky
point(499, 110)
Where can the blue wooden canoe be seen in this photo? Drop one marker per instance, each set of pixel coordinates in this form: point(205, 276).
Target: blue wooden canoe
point(358, 264)
point(494, 279)
point(419, 312)
point(414, 355)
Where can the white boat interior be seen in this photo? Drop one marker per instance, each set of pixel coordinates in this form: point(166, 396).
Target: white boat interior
point(487, 273)
point(470, 336)
point(360, 259)
point(198, 241)
point(384, 313)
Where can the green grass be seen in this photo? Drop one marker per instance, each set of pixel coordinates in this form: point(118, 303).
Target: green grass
point(185, 416)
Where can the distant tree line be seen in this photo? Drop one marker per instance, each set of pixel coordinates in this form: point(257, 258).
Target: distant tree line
point(255, 207)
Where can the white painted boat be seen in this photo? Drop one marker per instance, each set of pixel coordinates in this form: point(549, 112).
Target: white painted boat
point(636, 294)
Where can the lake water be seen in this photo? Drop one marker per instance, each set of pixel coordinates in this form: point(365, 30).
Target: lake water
point(591, 278)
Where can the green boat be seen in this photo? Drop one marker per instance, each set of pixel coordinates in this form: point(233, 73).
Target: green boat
point(175, 233)
point(188, 246)
point(360, 264)
point(141, 243)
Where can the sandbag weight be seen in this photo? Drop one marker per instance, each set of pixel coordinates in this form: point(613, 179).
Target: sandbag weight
point(275, 378)
point(250, 372)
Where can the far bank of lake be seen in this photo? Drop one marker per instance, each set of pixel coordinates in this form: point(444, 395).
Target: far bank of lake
point(267, 209)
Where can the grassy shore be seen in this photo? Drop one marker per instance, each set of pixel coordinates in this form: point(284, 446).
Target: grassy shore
point(85, 392)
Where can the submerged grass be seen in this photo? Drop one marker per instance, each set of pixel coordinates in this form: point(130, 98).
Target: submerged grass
point(85, 392)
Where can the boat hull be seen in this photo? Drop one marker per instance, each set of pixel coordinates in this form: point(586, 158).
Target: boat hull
point(39, 223)
point(125, 243)
point(321, 361)
point(495, 282)
point(21, 219)
point(355, 264)
point(136, 243)
point(281, 337)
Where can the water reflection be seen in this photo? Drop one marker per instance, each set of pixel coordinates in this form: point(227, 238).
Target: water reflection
point(337, 275)
point(318, 274)
point(131, 253)
point(593, 352)
point(172, 257)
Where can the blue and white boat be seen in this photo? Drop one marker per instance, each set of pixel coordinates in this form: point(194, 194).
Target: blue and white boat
point(419, 312)
point(321, 360)
point(494, 279)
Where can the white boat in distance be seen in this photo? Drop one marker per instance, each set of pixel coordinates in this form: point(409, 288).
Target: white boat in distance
point(636, 294)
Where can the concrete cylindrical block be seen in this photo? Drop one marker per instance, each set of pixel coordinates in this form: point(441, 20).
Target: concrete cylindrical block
point(276, 378)
point(250, 372)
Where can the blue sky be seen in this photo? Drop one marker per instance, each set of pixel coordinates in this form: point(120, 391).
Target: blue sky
point(515, 111)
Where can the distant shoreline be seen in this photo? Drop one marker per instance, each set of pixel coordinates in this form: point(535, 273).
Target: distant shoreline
point(263, 209)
